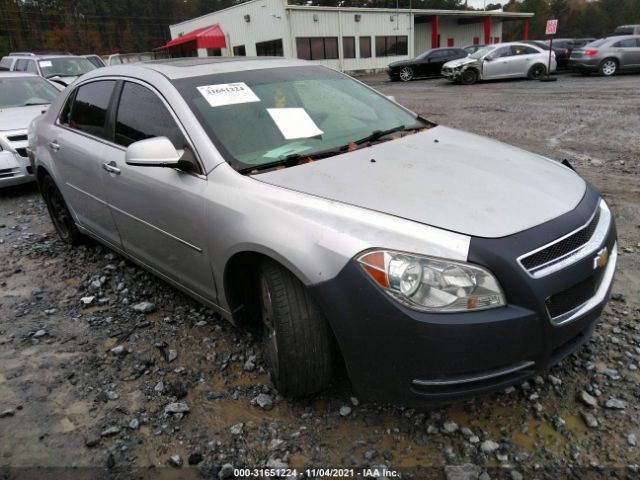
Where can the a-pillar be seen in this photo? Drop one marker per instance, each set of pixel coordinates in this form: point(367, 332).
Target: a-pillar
point(487, 30)
point(435, 27)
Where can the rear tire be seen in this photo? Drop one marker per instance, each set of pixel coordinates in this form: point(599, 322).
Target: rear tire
point(468, 77)
point(608, 67)
point(298, 343)
point(537, 71)
point(406, 74)
point(60, 216)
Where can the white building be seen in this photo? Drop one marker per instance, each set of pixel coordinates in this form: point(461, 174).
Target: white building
point(348, 39)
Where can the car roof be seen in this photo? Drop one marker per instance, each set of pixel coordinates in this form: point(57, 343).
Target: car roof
point(176, 68)
point(46, 56)
point(4, 74)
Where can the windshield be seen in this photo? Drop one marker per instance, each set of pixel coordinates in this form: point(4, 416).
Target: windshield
point(282, 112)
point(65, 67)
point(482, 52)
point(25, 91)
point(597, 43)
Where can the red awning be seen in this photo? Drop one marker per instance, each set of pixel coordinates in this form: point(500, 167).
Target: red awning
point(206, 37)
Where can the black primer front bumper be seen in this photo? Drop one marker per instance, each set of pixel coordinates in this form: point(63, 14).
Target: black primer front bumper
point(393, 353)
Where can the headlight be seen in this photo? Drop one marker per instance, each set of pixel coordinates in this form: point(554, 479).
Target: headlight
point(432, 284)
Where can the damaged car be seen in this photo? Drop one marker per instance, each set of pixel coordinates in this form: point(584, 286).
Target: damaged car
point(500, 61)
point(432, 263)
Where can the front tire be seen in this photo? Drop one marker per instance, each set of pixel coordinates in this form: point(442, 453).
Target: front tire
point(406, 74)
point(537, 71)
point(298, 344)
point(469, 77)
point(60, 216)
point(608, 67)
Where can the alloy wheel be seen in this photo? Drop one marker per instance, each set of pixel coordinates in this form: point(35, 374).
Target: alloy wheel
point(406, 74)
point(609, 67)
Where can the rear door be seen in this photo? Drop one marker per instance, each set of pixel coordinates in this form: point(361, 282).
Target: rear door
point(522, 59)
point(76, 147)
point(159, 211)
point(628, 50)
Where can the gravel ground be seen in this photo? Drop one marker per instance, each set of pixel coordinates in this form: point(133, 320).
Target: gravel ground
point(106, 369)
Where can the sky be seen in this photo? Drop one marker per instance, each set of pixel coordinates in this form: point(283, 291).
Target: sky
point(480, 3)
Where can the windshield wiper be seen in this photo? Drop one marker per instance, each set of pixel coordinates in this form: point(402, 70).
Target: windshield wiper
point(31, 104)
point(295, 158)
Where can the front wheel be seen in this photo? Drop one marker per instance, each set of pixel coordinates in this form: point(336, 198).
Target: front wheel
point(608, 67)
point(537, 72)
point(469, 77)
point(298, 344)
point(60, 216)
point(406, 74)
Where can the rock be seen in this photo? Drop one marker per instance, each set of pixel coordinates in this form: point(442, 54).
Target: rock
point(275, 444)
point(354, 401)
point(119, 350)
point(632, 439)
point(615, 404)
point(466, 471)
point(237, 429)
point(109, 432)
point(226, 471)
point(195, 458)
point(474, 439)
point(589, 419)
point(345, 411)
point(515, 475)
point(92, 441)
point(178, 407)
point(250, 364)
point(277, 464)
point(264, 401)
point(450, 426)
point(144, 307)
point(587, 399)
point(370, 454)
point(87, 300)
point(611, 373)
point(111, 395)
point(9, 412)
point(489, 446)
point(555, 381)
point(39, 333)
point(175, 461)
point(159, 387)
point(172, 355)
point(134, 424)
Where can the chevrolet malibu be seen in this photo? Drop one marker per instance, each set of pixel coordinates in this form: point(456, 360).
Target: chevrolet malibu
point(432, 262)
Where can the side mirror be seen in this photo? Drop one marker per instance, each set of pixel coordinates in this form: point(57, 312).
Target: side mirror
point(488, 58)
point(153, 152)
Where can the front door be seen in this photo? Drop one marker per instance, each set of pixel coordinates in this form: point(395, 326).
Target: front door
point(498, 65)
point(159, 211)
point(77, 145)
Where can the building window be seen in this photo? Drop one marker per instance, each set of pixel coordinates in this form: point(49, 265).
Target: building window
point(271, 48)
point(239, 51)
point(496, 39)
point(476, 40)
point(450, 42)
point(391, 46)
point(349, 47)
point(365, 47)
point(317, 48)
point(214, 52)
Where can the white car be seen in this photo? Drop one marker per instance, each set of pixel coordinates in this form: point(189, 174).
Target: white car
point(502, 60)
point(22, 98)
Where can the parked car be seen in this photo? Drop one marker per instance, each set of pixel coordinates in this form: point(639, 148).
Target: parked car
point(22, 98)
point(473, 48)
point(436, 263)
point(96, 60)
point(427, 64)
point(607, 56)
point(626, 30)
point(502, 60)
point(59, 68)
point(120, 58)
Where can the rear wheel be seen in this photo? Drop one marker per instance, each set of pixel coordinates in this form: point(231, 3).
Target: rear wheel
point(59, 213)
point(537, 72)
point(298, 344)
point(469, 77)
point(406, 74)
point(608, 67)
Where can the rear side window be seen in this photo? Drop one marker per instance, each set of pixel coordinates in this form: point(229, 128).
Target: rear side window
point(626, 43)
point(142, 115)
point(89, 110)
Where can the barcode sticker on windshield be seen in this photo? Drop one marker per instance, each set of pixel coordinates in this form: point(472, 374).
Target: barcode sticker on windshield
point(228, 94)
point(46, 63)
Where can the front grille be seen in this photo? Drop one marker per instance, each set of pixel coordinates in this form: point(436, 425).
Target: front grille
point(562, 248)
point(572, 297)
point(6, 172)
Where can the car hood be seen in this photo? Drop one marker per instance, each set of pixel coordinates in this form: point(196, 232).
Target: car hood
point(459, 62)
point(445, 178)
point(18, 118)
point(401, 63)
point(64, 80)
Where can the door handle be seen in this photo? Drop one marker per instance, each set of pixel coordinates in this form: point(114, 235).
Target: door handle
point(53, 145)
point(111, 168)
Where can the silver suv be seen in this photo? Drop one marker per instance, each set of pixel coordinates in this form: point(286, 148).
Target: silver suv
point(59, 68)
point(434, 262)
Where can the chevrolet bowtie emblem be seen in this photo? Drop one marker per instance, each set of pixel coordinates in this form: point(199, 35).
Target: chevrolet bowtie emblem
point(601, 258)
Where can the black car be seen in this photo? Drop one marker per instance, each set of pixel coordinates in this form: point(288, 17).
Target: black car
point(562, 47)
point(470, 49)
point(427, 64)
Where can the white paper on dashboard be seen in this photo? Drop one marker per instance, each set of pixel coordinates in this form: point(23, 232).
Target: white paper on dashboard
point(294, 123)
point(46, 63)
point(228, 94)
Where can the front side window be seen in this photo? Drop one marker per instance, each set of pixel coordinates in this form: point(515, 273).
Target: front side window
point(25, 91)
point(502, 52)
point(21, 65)
point(141, 115)
point(341, 110)
point(523, 50)
point(89, 109)
point(65, 67)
